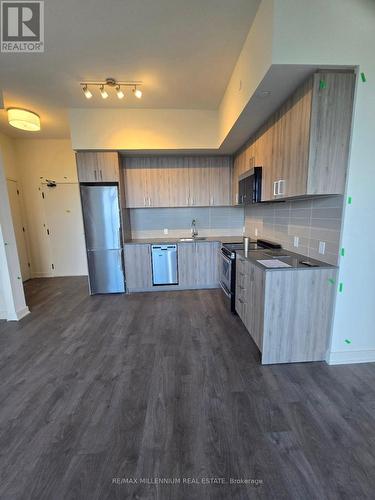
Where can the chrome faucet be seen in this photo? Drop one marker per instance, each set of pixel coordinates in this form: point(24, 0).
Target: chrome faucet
point(194, 230)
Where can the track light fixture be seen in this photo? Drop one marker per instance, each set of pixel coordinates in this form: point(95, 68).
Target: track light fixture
point(87, 92)
point(111, 83)
point(103, 92)
point(119, 92)
point(137, 92)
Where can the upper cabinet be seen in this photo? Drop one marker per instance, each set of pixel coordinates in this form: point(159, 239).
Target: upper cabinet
point(98, 166)
point(177, 181)
point(303, 147)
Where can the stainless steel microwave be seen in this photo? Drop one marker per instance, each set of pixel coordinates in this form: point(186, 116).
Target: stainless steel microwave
point(250, 186)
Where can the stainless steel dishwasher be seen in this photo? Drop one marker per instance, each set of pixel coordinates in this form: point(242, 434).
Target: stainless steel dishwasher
point(164, 265)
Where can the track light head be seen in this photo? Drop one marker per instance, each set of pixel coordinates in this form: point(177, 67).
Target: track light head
point(87, 92)
point(137, 92)
point(103, 92)
point(119, 92)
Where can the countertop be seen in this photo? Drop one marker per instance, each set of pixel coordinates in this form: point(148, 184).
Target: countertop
point(156, 241)
point(293, 259)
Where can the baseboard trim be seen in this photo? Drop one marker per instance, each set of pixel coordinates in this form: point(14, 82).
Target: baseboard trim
point(351, 357)
point(19, 314)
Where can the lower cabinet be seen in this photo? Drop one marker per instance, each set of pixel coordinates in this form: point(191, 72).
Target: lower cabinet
point(138, 274)
point(198, 266)
point(288, 313)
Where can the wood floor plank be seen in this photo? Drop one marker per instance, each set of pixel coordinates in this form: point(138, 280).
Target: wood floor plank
point(99, 391)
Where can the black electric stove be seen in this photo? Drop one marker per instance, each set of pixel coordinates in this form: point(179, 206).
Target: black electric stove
point(228, 265)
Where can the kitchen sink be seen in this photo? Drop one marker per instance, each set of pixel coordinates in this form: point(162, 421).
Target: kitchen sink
point(198, 238)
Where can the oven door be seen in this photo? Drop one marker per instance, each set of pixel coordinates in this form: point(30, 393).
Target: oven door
point(225, 273)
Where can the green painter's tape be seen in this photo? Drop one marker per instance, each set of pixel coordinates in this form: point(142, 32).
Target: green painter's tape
point(363, 77)
point(342, 252)
point(349, 200)
point(332, 281)
point(322, 84)
point(341, 287)
point(347, 341)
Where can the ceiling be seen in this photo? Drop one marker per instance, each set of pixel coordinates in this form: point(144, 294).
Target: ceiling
point(183, 50)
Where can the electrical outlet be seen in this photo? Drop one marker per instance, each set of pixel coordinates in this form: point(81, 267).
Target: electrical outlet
point(322, 247)
point(296, 241)
point(165, 231)
point(256, 231)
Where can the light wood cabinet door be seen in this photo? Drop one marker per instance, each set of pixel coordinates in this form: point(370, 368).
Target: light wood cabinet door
point(207, 264)
point(199, 182)
point(135, 180)
point(108, 166)
point(87, 166)
point(220, 172)
point(138, 273)
point(98, 166)
point(178, 178)
point(187, 257)
point(331, 118)
point(255, 303)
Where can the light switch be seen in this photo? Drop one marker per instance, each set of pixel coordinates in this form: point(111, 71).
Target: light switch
point(322, 247)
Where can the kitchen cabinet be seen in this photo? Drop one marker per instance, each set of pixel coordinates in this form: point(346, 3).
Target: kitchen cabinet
point(97, 166)
point(138, 274)
point(197, 262)
point(288, 313)
point(303, 147)
point(177, 181)
point(207, 264)
point(187, 260)
point(220, 179)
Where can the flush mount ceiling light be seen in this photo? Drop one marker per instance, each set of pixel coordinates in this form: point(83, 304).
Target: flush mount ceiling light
point(23, 119)
point(108, 84)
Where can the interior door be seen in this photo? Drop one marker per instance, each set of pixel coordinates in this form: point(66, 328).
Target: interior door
point(63, 217)
point(15, 201)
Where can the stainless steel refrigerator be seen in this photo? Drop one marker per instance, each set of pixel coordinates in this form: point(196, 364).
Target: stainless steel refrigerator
point(102, 222)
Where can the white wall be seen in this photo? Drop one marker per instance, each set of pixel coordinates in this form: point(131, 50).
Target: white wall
point(12, 301)
point(342, 32)
point(133, 129)
point(38, 160)
point(7, 150)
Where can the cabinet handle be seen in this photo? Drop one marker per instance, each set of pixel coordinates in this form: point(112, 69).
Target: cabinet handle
point(101, 175)
point(96, 177)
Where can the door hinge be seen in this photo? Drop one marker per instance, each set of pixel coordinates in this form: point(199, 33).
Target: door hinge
point(52, 265)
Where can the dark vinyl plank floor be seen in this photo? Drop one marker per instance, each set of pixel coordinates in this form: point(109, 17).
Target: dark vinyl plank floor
point(168, 386)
